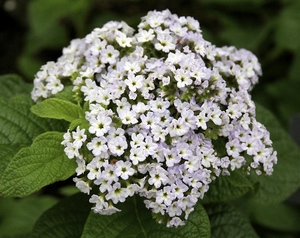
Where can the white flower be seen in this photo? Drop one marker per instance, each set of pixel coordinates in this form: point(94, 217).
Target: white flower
point(137, 155)
point(123, 169)
point(97, 145)
point(54, 84)
point(109, 210)
point(127, 116)
point(117, 194)
point(192, 164)
point(155, 19)
point(132, 67)
point(158, 133)
point(93, 170)
point(81, 167)
point(165, 196)
point(165, 42)
point(159, 105)
point(215, 115)
point(234, 148)
point(134, 82)
point(137, 140)
point(174, 210)
point(100, 124)
point(67, 138)
point(79, 137)
point(252, 146)
point(156, 207)
point(82, 185)
point(158, 177)
point(140, 107)
point(123, 40)
point(178, 29)
point(183, 150)
point(183, 78)
point(97, 46)
point(71, 151)
point(178, 127)
point(234, 111)
point(117, 145)
point(108, 174)
point(237, 163)
point(144, 35)
point(149, 146)
point(189, 118)
point(100, 203)
point(147, 120)
point(172, 157)
point(109, 55)
point(113, 132)
point(201, 120)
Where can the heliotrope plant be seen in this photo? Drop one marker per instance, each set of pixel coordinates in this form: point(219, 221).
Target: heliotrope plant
point(163, 114)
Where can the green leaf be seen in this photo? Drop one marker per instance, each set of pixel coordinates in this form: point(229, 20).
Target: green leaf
point(280, 217)
point(53, 36)
point(44, 18)
point(34, 167)
point(227, 221)
point(49, 29)
point(12, 84)
point(65, 219)
point(57, 109)
point(285, 179)
point(243, 34)
point(227, 188)
point(6, 154)
point(294, 72)
point(67, 94)
point(288, 28)
point(136, 221)
point(235, 3)
point(19, 215)
point(28, 63)
point(286, 93)
point(18, 125)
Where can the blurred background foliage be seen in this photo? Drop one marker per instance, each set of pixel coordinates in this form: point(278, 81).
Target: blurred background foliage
point(35, 31)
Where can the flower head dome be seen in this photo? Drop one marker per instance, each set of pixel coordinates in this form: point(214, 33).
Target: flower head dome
point(166, 113)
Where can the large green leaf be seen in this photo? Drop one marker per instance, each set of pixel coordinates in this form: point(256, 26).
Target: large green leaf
point(44, 15)
point(280, 217)
point(49, 29)
point(294, 71)
point(65, 219)
point(6, 154)
point(227, 222)
point(235, 3)
point(57, 109)
point(34, 167)
point(288, 26)
point(285, 179)
point(243, 34)
point(19, 215)
point(136, 221)
point(18, 125)
point(287, 95)
point(11, 84)
point(226, 188)
point(67, 94)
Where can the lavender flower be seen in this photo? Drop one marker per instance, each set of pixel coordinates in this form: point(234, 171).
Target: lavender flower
point(155, 102)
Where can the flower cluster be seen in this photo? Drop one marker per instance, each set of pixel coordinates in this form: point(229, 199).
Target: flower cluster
point(166, 113)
